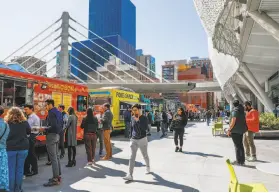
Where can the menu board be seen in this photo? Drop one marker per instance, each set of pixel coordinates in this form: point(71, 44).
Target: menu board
point(39, 104)
point(67, 101)
point(57, 97)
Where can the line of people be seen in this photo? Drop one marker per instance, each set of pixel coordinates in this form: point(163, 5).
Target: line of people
point(18, 132)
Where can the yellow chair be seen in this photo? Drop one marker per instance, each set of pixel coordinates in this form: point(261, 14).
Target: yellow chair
point(217, 127)
point(220, 119)
point(236, 187)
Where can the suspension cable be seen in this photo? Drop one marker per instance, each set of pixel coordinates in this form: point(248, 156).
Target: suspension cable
point(30, 57)
point(32, 39)
point(44, 65)
point(96, 61)
point(84, 73)
point(39, 42)
point(78, 78)
point(116, 48)
point(91, 68)
point(114, 56)
point(40, 59)
point(50, 69)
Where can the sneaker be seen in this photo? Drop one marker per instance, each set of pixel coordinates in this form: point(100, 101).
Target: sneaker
point(89, 163)
point(180, 149)
point(128, 178)
point(148, 134)
point(162, 136)
point(176, 149)
point(147, 170)
point(252, 159)
point(247, 158)
point(53, 182)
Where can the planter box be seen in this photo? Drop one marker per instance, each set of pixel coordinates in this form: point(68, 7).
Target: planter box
point(267, 134)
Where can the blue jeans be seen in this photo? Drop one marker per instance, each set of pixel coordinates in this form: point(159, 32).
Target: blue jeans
point(16, 167)
point(208, 122)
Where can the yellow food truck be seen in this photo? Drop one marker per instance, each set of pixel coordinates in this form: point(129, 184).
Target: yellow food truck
point(118, 97)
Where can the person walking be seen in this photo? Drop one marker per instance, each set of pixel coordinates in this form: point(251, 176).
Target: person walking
point(31, 162)
point(158, 120)
point(178, 125)
point(150, 120)
point(17, 147)
point(107, 127)
point(65, 117)
point(253, 124)
point(71, 136)
point(90, 125)
point(237, 128)
point(164, 124)
point(4, 168)
point(138, 140)
point(55, 127)
point(208, 117)
point(127, 119)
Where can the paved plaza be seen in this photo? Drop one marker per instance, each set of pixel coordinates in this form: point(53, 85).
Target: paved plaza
point(201, 167)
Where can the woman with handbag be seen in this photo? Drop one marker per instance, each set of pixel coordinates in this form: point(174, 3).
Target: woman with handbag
point(4, 169)
point(71, 137)
point(178, 125)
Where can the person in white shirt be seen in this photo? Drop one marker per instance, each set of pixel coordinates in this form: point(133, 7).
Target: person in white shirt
point(31, 163)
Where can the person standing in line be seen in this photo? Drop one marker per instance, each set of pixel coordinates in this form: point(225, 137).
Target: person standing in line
point(71, 136)
point(17, 147)
point(107, 127)
point(90, 126)
point(138, 140)
point(100, 132)
point(55, 127)
point(178, 125)
point(127, 119)
point(4, 168)
point(158, 120)
point(237, 128)
point(65, 117)
point(164, 124)
point(253, 124)
point(150, 120)
point(31, 160)
point(208, 117)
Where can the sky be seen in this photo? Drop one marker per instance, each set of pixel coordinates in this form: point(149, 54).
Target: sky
point(166, 29)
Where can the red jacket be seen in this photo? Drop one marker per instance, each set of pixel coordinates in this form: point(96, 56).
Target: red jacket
point(253, 120)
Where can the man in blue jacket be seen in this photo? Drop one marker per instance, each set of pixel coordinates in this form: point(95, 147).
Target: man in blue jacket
point(55, 126)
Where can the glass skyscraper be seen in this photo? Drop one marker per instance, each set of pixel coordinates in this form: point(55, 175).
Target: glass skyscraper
point(113, 17)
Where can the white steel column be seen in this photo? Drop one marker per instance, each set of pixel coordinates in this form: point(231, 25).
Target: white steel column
point(250, 86)
point(267, 101)
point(240, 93)
point(260, 106)
point(266, 22)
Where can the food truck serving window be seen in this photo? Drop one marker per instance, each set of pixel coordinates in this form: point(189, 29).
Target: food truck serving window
point(9, 93)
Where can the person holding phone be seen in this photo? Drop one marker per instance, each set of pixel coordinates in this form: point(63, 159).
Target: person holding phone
point(138, 140)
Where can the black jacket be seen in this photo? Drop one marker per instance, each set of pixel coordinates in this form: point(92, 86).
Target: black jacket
point(165, 117)
point(90, 125)
point(107, 120)
point(17, 139)
point(180, 122)
point(139, 128)
point(149, 117)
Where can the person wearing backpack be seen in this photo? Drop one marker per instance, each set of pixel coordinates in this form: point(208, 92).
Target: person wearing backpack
point(90, 126)
point(54, 128)
point(4, 168)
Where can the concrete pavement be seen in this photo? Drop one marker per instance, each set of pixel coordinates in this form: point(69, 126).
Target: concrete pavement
point(201, 167)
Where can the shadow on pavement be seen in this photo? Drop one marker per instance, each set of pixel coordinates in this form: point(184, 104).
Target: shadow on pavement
point(202, 154)
point(162, 182)
point(99, 171)
point(120, 161)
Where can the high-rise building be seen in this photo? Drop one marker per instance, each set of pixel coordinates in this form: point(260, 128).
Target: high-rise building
point(98, 54)
point(113, 17)
point(148, 61)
